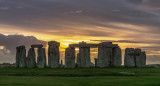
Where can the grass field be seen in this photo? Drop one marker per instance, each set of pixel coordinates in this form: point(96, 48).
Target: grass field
point(80, 77)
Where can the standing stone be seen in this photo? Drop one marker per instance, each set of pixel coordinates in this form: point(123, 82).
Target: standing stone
point(143, 58)
point(129, 59)
point(140, 58)
point(70, 58)
point(21, 57)
point(84, 55)
point(41, 59)
point(117, 57)
point(31, 63)
point(17, 57)
point(78, 60)
point(104, 55)
point(53, 54)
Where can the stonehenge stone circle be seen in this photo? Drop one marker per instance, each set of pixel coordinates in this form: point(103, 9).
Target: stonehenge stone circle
point(109, 55)
point(70, 58)
point(53, 54)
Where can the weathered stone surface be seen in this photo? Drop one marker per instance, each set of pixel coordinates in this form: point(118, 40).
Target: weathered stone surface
point(84, 55)
point(104, 56)
point(53, 43)
point(107, 44)
point(83, 44)
point(129, 59)
point(141, 59)
point(137, 51)
point(53, 54)
point(31, 63)
point(21, 57)
point(37, 46)
point(117, 57)
point(70, 58)
point(41, 59)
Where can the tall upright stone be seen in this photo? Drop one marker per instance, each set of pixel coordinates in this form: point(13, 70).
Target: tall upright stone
point(84, 55)
point(143, 59)
point(117, 57)
point(105, 54)
point(129, 58)
point(41, 58)
point(21, 57)
point(53, 54)
point(70, 58)
point(31, 62)
point(17, 57)
point(140, 58)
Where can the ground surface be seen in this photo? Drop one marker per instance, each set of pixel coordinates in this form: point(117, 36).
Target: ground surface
point(80, 77)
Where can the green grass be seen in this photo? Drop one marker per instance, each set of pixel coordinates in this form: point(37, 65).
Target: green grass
point(80, 77)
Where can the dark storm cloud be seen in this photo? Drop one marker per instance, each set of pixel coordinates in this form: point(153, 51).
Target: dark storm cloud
point(10, 43)
point(135, 1)
point(57, 15)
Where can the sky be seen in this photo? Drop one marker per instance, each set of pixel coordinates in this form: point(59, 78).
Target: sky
point(129, 23)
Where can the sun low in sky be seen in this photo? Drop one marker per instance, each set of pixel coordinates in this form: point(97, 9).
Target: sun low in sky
point(129, 23)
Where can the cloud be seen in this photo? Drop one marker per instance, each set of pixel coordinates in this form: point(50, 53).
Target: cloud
point(9, 43)
point(129, 21)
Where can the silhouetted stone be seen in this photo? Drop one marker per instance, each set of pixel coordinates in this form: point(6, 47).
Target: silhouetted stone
point(129, 59)
point(137, 51)
point(84, 55)
point(53, 54)
point(104, 56)
point(143, 57)
point(141, 60)
point(31, 63)
point(117, 57)
point(37, 46)
point(21, 57)
point(78, 60)
point(41, 59)
point(70, 58)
